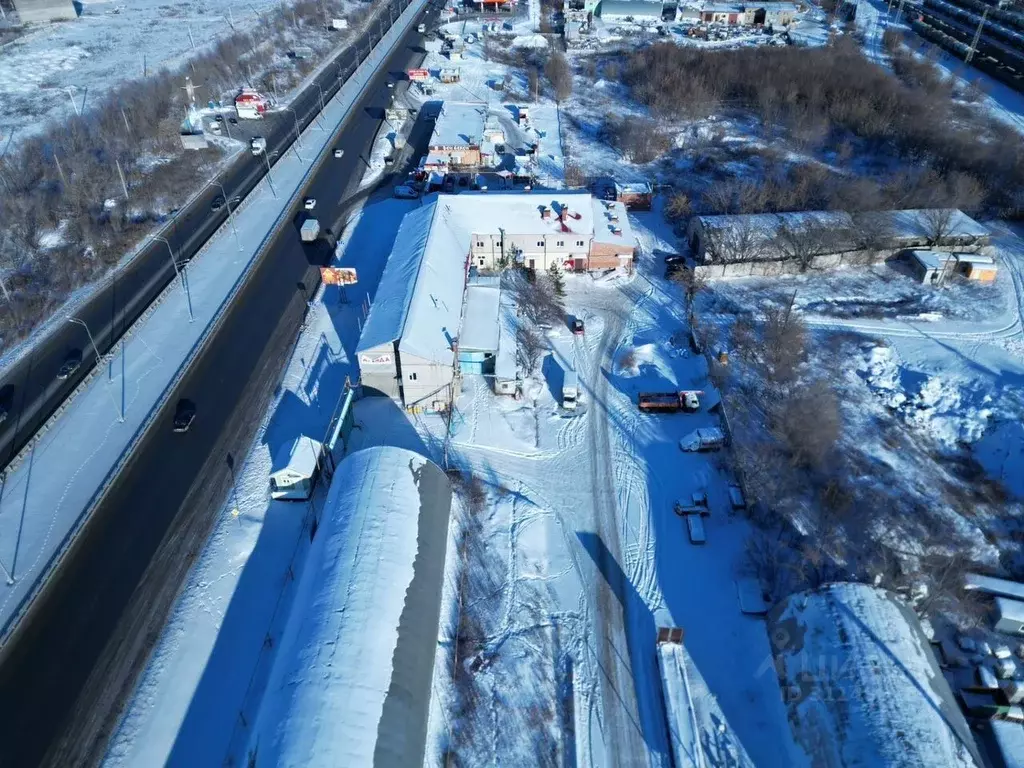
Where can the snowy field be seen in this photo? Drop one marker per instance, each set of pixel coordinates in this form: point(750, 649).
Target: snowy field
point(111, 42)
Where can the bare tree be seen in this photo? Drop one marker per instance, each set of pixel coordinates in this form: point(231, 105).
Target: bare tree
point(804, 240)
point(739, 239)
point(808, 423)
point(678, 206)
point(560, 74)
point(785, 341)
point(938, 224)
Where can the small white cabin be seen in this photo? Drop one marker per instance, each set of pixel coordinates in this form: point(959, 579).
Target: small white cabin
point(296, 469)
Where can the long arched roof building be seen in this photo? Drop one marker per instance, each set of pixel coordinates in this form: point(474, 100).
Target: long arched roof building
point(351, 685)
point(861, 685)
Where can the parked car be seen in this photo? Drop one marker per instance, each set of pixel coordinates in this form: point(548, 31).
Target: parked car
point(217, 204)
point(389, 160)
point(309, 204)
point(236, 201)
point(674, 258)
point(233, 120)
point(405, 192)
point(184, 415)
point(219, 118)
point(577, 327)
point(70, 365)
point(338, 153)
point(422, 29)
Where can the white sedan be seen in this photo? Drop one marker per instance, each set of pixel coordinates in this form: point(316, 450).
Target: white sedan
point(405, 192)
point(310, 203)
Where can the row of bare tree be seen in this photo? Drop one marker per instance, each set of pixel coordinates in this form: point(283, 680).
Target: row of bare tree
point(822, 98)
point(72, 179)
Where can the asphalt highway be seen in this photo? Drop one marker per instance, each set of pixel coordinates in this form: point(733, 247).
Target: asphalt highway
point(48, 661)
point(29, 388)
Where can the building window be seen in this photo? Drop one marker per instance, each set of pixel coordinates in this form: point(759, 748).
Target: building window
point(580, 243)
point(540, 243)
point(560, 243)
point(481, 262)
point(479, 244)
point(412, 377)
point(533, 264)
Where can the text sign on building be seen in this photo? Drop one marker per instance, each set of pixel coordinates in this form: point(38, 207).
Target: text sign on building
point(338, 275)
point(375, 359)
point(418, 75)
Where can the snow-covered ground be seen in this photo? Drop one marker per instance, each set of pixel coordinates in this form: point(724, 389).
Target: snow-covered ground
point(46, 497)
point(108, 44)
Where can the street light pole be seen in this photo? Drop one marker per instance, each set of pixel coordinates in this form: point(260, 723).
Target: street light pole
point(231, 213)
point(180, 275)
point(96, 351)
point(298, 135)
point(320, 114)
point(270, 176)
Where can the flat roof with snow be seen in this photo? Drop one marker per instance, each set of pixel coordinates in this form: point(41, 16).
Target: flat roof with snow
point(611, 224)
point(459, 125)
point(1009, 739)
point(867, 689)
point(300, 455)
point(993, 585)
point(351, 682)
point(505, 361)
point(932, 259)
point(1010, 609)
point(480, 319)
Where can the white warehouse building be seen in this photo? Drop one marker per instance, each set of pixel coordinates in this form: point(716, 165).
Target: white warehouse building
point(409, 348)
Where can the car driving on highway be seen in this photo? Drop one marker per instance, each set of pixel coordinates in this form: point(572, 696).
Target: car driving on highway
point(310, 203)
point(70, 365)
point(184, 415)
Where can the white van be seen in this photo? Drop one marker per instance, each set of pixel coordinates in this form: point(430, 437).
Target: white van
point(695, 526)
point(570, 391)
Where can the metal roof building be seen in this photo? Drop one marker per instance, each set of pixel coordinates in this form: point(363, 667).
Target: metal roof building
point(351, 682)
point(641, 10)
point(44, 11)
point(861, 684)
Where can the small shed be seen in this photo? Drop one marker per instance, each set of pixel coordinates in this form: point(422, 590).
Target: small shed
point(478, 339)
point(974, 266)
point(636, 196)
point(296, 469)
point(1009, 616)
point(931, 267)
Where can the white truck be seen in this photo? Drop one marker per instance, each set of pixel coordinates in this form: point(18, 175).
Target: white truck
point(570, 391)
point(258, 145)
point(704, 439)
point(310, 230)
point(422, 29)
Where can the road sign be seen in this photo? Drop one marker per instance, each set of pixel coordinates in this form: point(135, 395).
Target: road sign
point(338, 275)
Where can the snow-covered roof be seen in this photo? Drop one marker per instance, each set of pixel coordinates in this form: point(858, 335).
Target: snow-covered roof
point(351, 682)
point(633, 188)
point(993, 585)
point(915, 223)
point(864, 687)
point(932, 259)
point(301, 455)
point(519, 213)
point(604, 226)
point(1009, 739)
point(505, 361)
point(419, 298)
point(721, 8)
point(480, 319)
point(699, 734)
point(459, 125)
point(776, 7)
point(1009, 608)
point(635, 8)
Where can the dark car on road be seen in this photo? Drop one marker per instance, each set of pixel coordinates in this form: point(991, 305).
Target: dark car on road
point(70, 365)
point(217, 204)
point(184, 415)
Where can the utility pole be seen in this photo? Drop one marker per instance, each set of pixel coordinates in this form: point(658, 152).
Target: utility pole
point(190, 39)
point(127, 127)
point(231, 213)
point(60, 170)
point(977, 36)
point(270, 176)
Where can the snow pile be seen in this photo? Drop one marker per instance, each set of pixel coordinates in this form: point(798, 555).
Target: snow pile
point(862, 685)
point(356, 660)
point(530, 41)
point(629, 361)
point(936, 405)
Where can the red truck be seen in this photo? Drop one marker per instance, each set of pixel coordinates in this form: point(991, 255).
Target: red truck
point(669, 402)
